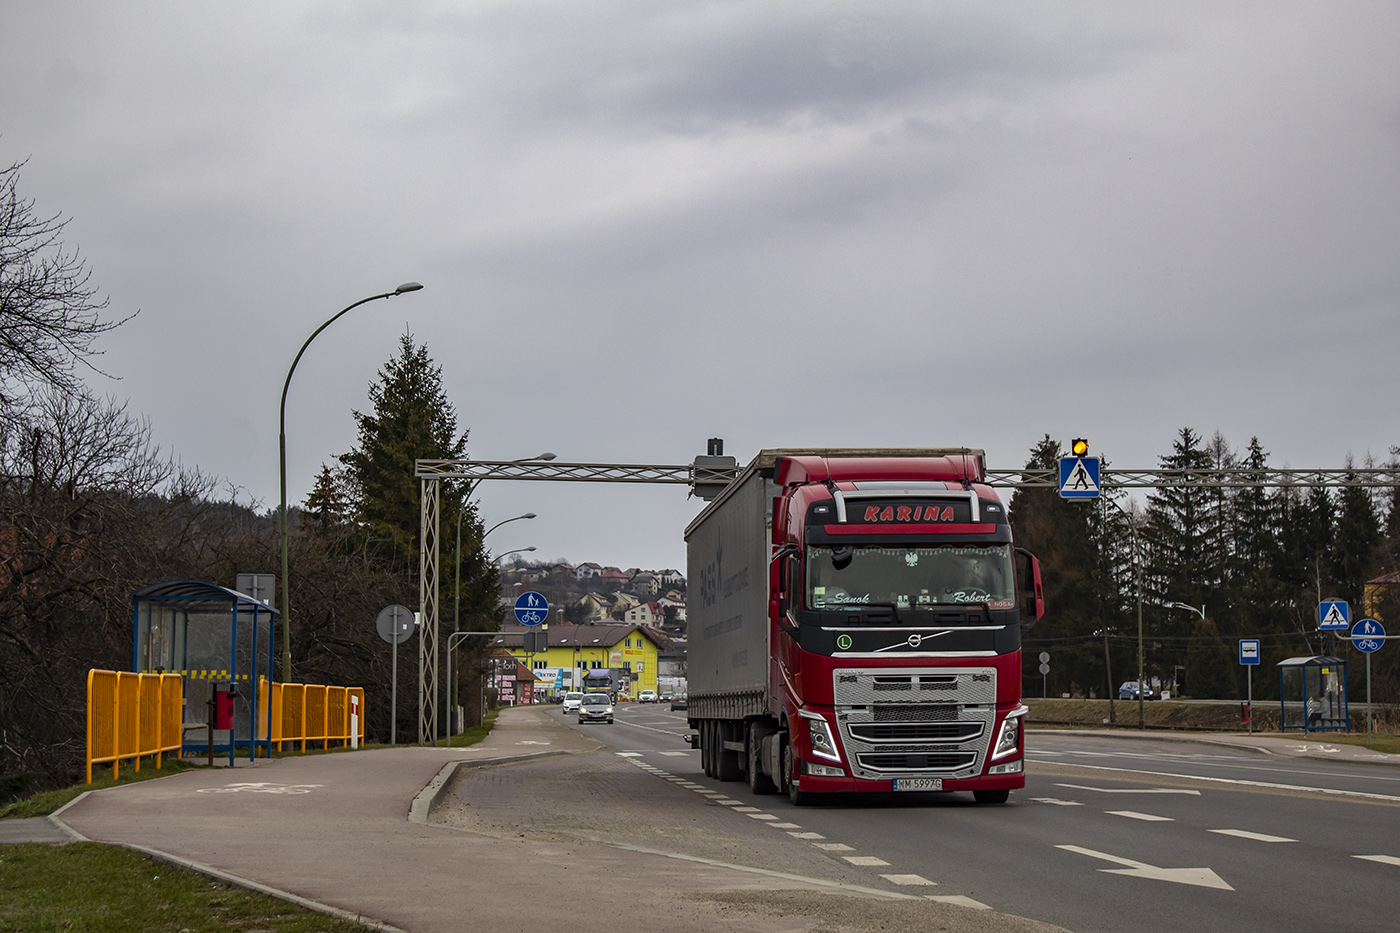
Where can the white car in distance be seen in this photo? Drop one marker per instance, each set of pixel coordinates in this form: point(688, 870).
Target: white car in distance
point(571, 701)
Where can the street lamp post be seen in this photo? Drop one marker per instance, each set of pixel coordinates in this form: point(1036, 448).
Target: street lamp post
point(282, 470)
point(450, 693)
point(458, 635)
point(1200, 612)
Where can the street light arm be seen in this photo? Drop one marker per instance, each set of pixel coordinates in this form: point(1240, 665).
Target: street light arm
point(504, 522)
point(282, 468)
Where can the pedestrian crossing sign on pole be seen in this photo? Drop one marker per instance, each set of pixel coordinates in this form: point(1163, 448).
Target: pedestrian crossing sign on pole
point(1079, 477)
point(1333, 615)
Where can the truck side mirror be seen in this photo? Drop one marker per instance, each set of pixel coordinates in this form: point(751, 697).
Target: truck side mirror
point(1032, 590)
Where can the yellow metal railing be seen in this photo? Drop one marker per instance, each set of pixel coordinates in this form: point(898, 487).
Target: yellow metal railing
point(313, 713)
point(132, 715)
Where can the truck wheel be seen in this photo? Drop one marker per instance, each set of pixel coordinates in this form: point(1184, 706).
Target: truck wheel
point(707, 747)
point(991, 796)
point(790, 776)
point(759, 782)
point(727, 762)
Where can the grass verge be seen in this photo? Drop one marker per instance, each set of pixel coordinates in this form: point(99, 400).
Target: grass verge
point(106, 889)
point(45, 802)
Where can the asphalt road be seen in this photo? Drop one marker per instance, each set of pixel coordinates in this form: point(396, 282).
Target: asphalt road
point(1111, 833)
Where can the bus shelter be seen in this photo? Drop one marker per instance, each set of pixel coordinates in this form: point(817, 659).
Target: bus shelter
point(216, 639)
point(1313, 694)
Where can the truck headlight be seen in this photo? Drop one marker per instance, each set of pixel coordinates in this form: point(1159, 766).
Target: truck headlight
point(819, 737)
point(1009, 738)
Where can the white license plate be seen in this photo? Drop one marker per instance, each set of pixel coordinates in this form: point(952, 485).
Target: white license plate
point(918, 784)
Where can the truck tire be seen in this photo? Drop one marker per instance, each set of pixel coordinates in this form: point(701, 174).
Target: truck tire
point(790, 776)
point(991, 796)
point(707, 746)
point(727, 761)
point(759, 782)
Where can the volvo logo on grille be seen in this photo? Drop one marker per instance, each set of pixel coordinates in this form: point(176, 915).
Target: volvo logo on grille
point(915, 640)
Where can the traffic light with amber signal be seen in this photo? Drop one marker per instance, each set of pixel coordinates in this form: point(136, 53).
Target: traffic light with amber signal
point(1079, 447)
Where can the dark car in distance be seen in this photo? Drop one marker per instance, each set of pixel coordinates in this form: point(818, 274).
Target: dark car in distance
point(678, 701)
point(1129, 691)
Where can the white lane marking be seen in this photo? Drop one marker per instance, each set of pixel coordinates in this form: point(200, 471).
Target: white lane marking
point(786, 825)
point(1200, 877)
point(1145, 817)
point(1257, 837)
point(909, 880)
point(805, 835)
point(728, 803)
point(1383, 859)
point(1135, 790)
point(867, 860)
point(958, 900)
point(834, 847)
point(747, 810)
point(629, 754)
point(1240, 783)
point(675, 754)
point(762, 816)
point(1057, 802)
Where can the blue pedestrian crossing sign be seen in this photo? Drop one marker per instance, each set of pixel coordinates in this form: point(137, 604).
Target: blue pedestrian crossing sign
point(531, 608)
point(1368, 635)
point(1079, 477)
point(1333, 615)
point(1249, 651)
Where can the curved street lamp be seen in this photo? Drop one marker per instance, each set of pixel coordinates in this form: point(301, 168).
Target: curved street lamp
point(282, 470)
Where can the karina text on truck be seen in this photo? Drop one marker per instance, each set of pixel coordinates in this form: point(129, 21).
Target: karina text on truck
point(858, 625)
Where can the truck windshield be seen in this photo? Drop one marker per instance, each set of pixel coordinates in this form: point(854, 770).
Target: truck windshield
point(910, 577)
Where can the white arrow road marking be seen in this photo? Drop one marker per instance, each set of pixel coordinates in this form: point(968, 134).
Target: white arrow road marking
point(1058, 803)
point(1145, 817)
point(1200, 877)
point(1257, 837)
point(1383, 859)
point(1135, 790)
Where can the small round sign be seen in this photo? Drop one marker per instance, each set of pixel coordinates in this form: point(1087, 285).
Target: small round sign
point(531, 608)
point(843, 642)
point(1044, 657)
point(395, 624)
point(1368, 635)
point(1044, 668)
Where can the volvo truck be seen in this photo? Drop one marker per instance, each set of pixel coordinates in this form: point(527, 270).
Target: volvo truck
point(854, 625)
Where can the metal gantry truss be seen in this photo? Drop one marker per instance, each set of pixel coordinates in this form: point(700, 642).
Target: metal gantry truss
point(432, 472)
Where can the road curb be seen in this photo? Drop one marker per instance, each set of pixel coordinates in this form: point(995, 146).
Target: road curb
point(428, 797)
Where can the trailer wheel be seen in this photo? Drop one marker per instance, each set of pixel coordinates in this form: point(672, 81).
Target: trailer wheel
point(707, 746)
point(759, 782)
point(726, 761)
point(991, 796)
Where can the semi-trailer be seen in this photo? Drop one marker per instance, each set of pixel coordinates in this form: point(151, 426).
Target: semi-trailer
point(855, 625)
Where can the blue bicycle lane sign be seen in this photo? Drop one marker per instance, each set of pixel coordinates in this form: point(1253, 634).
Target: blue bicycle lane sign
point(531, 608)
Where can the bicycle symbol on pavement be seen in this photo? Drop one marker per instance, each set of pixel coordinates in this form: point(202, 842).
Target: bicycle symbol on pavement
point(261, 787)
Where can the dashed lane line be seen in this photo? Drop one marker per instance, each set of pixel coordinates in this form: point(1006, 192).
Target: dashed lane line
point(1145, 817)
point(1329, 791)
point(1383, 859)
point(1257, 837)
point(909, 880)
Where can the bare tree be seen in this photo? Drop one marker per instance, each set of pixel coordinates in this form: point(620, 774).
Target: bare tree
point(49, 310)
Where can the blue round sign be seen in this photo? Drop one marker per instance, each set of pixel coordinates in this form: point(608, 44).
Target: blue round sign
point(531, 608)
point(1367, 635)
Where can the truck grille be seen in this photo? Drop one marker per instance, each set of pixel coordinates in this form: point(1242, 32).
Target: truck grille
point(911, 763)
point(916, 731)
point(907, 723)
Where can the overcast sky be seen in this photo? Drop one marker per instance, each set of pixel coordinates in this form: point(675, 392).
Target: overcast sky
point(642, 224)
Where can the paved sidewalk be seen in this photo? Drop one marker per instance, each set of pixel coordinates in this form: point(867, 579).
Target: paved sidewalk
point(1274, 744)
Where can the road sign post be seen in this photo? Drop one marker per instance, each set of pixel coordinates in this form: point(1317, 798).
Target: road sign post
point(395, 624)
point(1368, 636)
point(1044, 673)
point(1249, 657)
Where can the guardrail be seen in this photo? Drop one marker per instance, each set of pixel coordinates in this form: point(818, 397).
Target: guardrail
point(132, 715)
point(308, 713)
